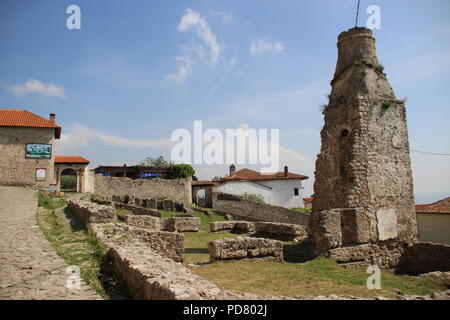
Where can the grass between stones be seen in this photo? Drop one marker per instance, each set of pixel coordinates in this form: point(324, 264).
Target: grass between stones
point(79, 247)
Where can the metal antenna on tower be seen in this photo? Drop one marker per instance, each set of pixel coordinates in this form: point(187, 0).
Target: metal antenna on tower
point(357, 14)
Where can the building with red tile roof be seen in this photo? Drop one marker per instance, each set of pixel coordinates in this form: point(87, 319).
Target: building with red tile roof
point(282, 189)
point(433, 221)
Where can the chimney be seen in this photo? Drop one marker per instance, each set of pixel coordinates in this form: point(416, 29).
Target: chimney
point(286, 171)
point(232, 170)
point(52, 118)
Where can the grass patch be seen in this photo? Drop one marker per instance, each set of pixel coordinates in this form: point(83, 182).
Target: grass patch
point(387, 104)
point(122, 213)
point(79, 247)
point(303, 210)
point(316, 277)
point(380, 68)
point(50, 203)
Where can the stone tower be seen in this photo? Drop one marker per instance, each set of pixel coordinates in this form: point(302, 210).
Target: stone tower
point(363, 191)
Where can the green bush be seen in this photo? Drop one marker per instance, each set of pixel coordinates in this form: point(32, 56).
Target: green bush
point(379, 67)
point(182, 170)
point(254, 197)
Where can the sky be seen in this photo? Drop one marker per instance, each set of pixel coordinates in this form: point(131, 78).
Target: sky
point(138, 70)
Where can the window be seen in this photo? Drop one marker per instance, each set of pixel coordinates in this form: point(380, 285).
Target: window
point(296, 192)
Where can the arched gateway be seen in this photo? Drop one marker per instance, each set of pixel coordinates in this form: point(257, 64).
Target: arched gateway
point(70, 165)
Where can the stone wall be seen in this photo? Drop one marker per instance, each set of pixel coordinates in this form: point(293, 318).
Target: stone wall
point(15, 168)
point(167, 244)
point(251, 210)
point(245, 248)
point(145, 222)
point(408, 258)
point(178, 190)
point(140, 211)
point(281, 231)
point(90, 212)
point(182, 223)
point(232, 226)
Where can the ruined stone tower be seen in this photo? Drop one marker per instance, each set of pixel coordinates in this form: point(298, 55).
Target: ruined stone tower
point(363, 191)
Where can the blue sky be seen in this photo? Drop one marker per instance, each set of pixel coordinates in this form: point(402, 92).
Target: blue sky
point(138, 70)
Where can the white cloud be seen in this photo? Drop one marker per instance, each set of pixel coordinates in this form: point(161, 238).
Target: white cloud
point(80, 136)
point(262, 45)
point(39, 87)
point(184, 70)
point(208, 49)
point(192, 20)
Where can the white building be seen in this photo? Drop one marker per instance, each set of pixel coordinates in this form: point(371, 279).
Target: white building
point(282, 189)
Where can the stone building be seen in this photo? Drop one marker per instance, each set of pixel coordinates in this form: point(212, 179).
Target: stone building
point(363, 191)
point(26, 148)
point(27, 155)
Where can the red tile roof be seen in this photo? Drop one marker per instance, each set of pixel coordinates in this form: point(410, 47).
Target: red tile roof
point(71, 159)
point(308, 200)
point(23, 118)
point(442, 206)
point(251, 175)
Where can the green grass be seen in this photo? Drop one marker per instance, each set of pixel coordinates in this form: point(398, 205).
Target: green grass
point(79, 247)
point(50, 203)
point(300, 275)
point(316, 277)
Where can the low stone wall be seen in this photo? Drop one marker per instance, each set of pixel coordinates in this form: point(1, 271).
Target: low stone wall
point(251, 210)
point(426, 257)
point(405, 258)
point(232, 226)
point(281, 231)
point(91, 212)
point(245, 248)
point(178, 190)
point(140, 211)
point(182, 223)
point(167, 244)
point(145, 222)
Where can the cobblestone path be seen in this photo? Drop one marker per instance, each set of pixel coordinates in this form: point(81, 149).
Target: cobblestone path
point(29, 266)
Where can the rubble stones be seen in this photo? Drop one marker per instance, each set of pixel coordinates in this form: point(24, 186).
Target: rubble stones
point(145, 222)
point(245, 248)
point(91, 212)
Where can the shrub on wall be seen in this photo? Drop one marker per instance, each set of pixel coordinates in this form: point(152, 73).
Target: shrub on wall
point(253, 197)
point(182, 170)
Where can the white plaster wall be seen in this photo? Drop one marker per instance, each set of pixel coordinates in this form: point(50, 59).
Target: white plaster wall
point(283, 195)
point(239, 188)
point(89, 180)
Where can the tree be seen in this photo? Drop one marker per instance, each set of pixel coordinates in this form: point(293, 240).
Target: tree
point(155, 162)
point(182, 170)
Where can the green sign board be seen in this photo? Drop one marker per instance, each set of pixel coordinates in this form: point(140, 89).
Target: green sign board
point(38, 151)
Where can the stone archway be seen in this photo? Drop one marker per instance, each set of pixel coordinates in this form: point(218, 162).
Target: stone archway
point(205, 189)
point(69, 180)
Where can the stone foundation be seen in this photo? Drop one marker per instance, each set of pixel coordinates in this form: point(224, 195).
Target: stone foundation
point(182, 223)
point(90, 212)
point(140, 211)
point(281, 231)
point(245, 248)
point(232, 226)
point(145, 222)
point(167, 244)
point(407, 258)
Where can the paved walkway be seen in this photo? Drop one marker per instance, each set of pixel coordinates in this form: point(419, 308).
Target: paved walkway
point(29, 266)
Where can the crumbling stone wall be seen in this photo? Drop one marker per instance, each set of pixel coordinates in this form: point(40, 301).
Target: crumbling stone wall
point(178, 190)
point(245, 248)
point(90, 212)
point(408, 258)
point(182, 223)
point(251, 210)
point(145, 222)
point(363, 173)
point(140, 211)
point(281, 231)
point(232, 226)
point(167, 244)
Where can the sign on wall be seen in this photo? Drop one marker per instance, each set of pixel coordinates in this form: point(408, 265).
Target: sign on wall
point(38, 151)
point(40, 174)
